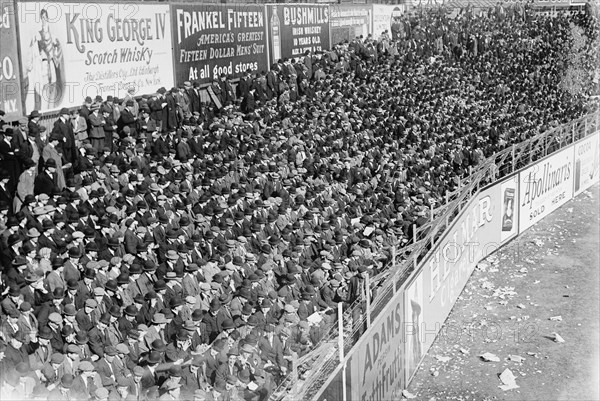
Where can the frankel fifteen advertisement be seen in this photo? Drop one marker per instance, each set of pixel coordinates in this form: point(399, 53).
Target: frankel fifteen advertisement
point(210, 40)
point(73, 50)
point(294, 29)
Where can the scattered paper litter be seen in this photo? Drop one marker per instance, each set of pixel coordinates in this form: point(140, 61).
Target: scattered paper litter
point(442, 358)
point(464, 351)
point(523, 270)
point(516, 358)
point(408, 395)
point(558, 338)
point(489, 357)
point(487, 285)
point(503, 302)
point(508, 379)
point(556, 318)
point(533, 354)
point(538, 242)
point(521, 306)
point(482, 266)
point(504, 292)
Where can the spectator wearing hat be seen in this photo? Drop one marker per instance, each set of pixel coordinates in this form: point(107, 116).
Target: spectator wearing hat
point(270, 348)
point(11, 325)
point(33, 124)
point(34, 146)
point(87, 380)
point(171, 390)
point(98, 336)
point(88, 316)
point(27, 322)
point(20, 137)
point(80, 128)
point(230, 368)
point(127, 118)
point(17, 351)
point(53, 167)
point(97, 122)
point(63, 130)
point(54, 307)
point(110, 127)
point(26, 183)
point(11, 167)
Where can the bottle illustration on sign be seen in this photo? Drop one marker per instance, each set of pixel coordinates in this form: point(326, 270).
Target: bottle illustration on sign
point(509, 204)
point(276, 35)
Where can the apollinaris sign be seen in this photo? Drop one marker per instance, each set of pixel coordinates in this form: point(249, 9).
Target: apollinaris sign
point(211, 39)
point(73, 50)
point(545, 186)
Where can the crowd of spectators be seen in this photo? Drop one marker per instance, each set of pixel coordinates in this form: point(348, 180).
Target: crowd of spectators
point(160, 247)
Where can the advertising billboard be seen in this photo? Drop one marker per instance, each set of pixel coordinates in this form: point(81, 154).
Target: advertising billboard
point(73, 50)
point(544, 187)
point(212, 39)
point(349, 21)
point(472, 237)
point(296, 28)
point(376, 366)
point(587, 163)
point(383, 18)
point(10, 92)
point(413, 317)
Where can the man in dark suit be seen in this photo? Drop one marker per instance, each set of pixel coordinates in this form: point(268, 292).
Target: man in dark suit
point(44, 182)
point(169, 112)
point(127, 119)
point(64, 129)
point(193, 96)
point(19, 139)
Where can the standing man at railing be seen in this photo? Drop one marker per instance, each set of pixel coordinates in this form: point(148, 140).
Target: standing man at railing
point(357, 292)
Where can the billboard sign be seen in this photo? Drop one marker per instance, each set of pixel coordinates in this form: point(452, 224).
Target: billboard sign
point(384, 18)
point(349, 21)
point(544, 187)
point(472, 237)
point(376, 366)
point(74, 50)
point(296, 28)
point(10, 91)
point(212, 39)
point(587, 163)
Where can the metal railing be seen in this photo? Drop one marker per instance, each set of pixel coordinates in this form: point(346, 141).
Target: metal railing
point(407, 257)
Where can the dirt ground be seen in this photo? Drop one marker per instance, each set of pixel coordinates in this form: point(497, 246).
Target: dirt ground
point(551, 271)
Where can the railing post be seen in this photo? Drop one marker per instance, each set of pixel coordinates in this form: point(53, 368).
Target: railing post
point(414, 233)
point(340, 312)
point(513, 158)
point(394, 251)
point(368, 296)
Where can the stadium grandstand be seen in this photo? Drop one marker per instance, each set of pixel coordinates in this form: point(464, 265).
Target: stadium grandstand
point(231, 235)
